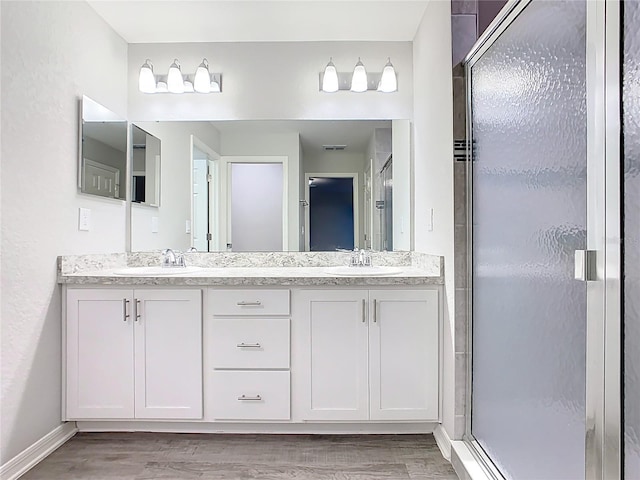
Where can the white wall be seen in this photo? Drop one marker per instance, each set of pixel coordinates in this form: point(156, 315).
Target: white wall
point(175, 186)
point(273, 144)
point(52, 54)
point(272, 81)
point(340, 162)
point(433, 165)
point(401, 194)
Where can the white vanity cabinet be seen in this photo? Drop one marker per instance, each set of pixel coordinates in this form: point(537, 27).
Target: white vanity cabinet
point(367, 354)
point(133, 354)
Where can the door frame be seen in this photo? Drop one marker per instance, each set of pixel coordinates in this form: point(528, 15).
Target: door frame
point(603, 430)
point(225, 234)
point(356, 206)
point(214, 192)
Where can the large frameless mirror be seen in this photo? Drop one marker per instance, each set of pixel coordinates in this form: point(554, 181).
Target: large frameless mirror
point(103, 151)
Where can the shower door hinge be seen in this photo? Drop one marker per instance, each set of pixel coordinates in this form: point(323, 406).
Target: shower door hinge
point(209, 237)
point(209, 178)
point(585, 265)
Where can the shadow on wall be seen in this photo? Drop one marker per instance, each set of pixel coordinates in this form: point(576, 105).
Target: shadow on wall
point(34, 385)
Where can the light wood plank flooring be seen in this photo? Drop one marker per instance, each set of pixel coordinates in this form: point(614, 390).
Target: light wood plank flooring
point(141, 456)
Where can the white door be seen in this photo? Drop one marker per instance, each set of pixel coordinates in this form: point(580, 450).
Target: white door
point(100, 179)
point(403, 354)
point(333, 338)
point(99, 354)
point(200, 224)
point(168, 354)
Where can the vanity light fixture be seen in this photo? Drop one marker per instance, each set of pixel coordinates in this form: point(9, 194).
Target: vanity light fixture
point(202, 80)
point(359, 80)
point(146, 79)
point(330, 78)
point(388, 81)
point(176, 82)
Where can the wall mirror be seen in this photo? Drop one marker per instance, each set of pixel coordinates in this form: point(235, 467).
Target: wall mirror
point(103, 151)
point(145, 167)
point(279, 185)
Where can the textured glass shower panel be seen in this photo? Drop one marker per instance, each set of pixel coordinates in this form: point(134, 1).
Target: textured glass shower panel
point(529, 216)
point(631, 141)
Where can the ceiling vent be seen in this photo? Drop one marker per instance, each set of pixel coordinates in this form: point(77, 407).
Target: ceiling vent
point(334, 147)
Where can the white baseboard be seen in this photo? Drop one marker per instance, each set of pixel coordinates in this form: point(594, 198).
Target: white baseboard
point(443, 440)
point(252, 427)
point(34, 454)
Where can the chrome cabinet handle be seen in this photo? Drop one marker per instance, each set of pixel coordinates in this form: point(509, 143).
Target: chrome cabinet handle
point(248, 345)
point(375, 310)
point(249, 304)
point(364, 317)
point(125, 313)
point(244, 398)
point(138, 309)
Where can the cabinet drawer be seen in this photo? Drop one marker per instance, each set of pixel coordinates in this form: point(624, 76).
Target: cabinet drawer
point(249, 343)
point(249, 302)
point(250, 395)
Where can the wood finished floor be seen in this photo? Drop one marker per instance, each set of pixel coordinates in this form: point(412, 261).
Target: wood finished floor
point(150, 456)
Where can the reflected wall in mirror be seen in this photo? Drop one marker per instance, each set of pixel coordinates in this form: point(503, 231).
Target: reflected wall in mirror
point(200, 199)
point(103, 151)
point(145, 167)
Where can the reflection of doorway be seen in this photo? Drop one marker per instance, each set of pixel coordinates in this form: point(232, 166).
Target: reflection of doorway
point(332, 215)
point(386, 188)
point(204, 216)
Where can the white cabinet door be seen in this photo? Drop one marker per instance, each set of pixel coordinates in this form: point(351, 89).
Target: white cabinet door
point(403, 354)
point(333, 344)
point(168, 354)
point(99, 354)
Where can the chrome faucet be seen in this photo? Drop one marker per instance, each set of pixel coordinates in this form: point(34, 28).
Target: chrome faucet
point(172, 259)
point(360, 258)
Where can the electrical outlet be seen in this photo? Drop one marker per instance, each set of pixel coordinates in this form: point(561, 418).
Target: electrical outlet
point(187, 226)
point(84, 220)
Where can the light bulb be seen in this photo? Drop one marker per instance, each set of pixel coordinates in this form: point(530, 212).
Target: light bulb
point(388, 81)
point(359, 79)
point(330, 78)
point(202, 80)
point(146, 79)
point(175, 82)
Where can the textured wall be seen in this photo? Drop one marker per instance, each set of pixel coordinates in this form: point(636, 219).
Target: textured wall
point(52, 54)
point(433, 166)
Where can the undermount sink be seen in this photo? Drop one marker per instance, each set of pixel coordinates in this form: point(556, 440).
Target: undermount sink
point(363, 271)
point(155, 271)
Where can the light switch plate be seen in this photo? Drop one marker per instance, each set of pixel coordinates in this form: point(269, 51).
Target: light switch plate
point(154, 224)
point(84, 219)
point(430, 220)
point(187, 226)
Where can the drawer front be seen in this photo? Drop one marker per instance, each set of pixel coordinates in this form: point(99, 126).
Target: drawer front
point(250, 395)
point(249, 302)
point(249, 343)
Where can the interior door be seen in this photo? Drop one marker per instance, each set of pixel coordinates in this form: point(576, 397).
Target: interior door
point(200, 224)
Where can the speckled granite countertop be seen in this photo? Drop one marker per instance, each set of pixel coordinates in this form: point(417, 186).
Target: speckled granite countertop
point(251, 269)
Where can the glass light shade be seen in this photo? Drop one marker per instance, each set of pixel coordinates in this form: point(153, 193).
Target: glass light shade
point(214, 86)
point(359, 78)
point(162, 87)
point(188, 87)
point(330, 78)
point(388, 81)
point(202, 80)
point(175, 82)
point(146, 79)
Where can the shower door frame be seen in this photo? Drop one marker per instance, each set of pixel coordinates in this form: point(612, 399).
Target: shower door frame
point(603, 430)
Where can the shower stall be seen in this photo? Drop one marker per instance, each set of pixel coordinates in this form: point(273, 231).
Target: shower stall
point(553, 90)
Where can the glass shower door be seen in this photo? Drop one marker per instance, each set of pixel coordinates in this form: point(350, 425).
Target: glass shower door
point(631, 229)
point(529, 194)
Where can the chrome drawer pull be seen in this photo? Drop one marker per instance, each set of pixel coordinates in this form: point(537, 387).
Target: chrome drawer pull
point(248, 345)
point(249, 304)
point(243, 398)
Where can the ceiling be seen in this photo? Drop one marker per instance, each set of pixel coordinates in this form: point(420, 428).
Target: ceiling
point(355, 134)
point(176, 21)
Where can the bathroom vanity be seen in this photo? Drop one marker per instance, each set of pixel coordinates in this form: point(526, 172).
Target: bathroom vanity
point(276, 347)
